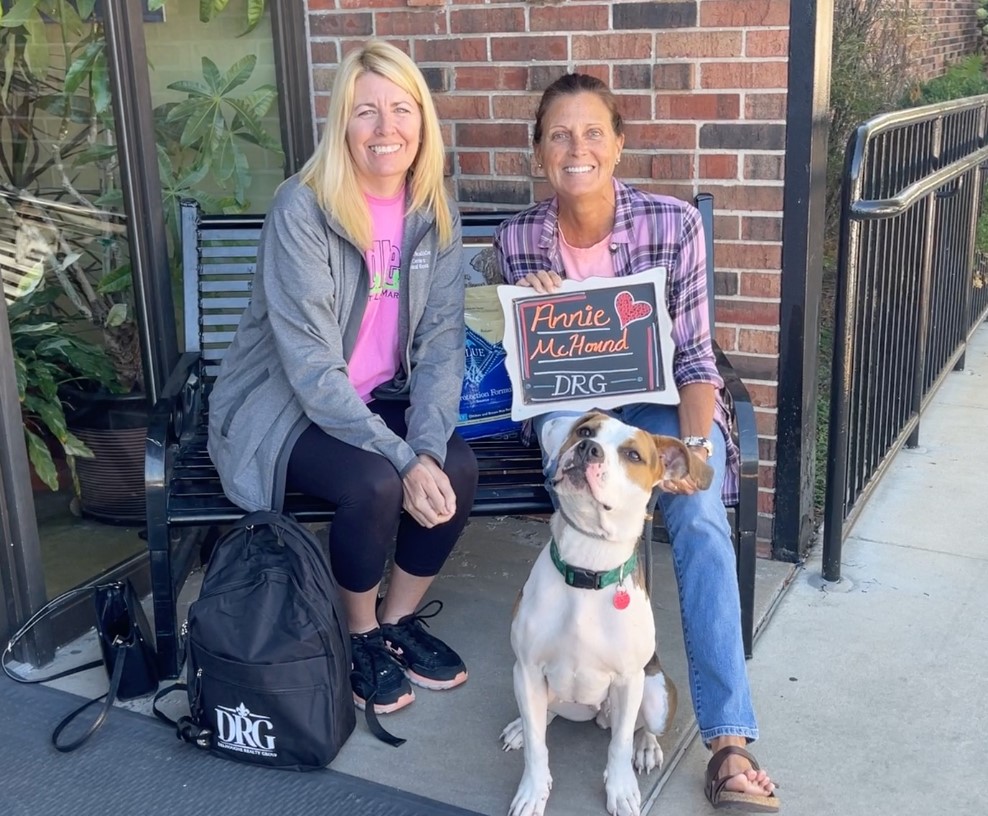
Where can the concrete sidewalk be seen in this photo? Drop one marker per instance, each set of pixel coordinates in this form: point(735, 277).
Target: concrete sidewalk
point(869, 692)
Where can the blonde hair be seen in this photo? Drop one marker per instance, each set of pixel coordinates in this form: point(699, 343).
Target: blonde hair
point(330, 172)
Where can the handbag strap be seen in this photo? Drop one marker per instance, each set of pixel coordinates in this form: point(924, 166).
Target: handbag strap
point(108, 698)
point(46, 610)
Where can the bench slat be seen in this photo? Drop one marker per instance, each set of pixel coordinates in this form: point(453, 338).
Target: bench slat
point(222, 319)
point(219, 271)
point(208, 252)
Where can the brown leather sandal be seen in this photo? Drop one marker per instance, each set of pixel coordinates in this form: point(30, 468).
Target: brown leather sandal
point(720, 798)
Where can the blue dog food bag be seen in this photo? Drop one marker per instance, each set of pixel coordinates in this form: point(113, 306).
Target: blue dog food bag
point(485, 401)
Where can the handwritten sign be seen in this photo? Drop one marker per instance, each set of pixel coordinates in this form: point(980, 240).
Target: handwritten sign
point(597, 343)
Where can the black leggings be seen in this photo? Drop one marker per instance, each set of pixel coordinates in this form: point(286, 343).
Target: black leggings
point(367, 492)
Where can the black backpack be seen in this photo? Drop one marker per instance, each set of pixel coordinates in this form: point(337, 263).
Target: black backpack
point(268, 650)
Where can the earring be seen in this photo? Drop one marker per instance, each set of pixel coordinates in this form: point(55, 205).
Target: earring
point(618, 161)
point(539, 165)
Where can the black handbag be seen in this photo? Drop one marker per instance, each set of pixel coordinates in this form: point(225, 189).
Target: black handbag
point(126, 646)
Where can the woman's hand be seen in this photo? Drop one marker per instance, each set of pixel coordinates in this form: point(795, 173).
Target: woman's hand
point(428, 495)
point(686, 486)
point(545, 282)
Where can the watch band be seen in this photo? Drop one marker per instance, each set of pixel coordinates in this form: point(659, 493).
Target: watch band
point(699, 442)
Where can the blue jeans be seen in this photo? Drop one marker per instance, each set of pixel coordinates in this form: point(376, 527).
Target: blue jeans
point(706, 574)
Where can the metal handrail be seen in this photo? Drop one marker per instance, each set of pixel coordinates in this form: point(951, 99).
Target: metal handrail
point(913, 190)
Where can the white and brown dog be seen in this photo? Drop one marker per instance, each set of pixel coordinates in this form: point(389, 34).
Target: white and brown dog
point(583, 631)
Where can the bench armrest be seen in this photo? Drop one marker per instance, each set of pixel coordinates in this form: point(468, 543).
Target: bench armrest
point(174, 416)
point(740, 407)
point(745, 432)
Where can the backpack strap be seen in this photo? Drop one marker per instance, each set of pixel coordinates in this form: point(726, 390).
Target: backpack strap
point(186, 728)
point(374, 724)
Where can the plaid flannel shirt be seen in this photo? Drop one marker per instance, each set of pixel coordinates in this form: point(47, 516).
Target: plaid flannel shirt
point(649, 231)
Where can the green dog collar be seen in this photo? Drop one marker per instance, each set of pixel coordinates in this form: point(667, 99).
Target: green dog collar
point(590, 579)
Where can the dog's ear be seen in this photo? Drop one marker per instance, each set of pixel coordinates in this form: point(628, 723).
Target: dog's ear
point(553, 434)
point(678, 462)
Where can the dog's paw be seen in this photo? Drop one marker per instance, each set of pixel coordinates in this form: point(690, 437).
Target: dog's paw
point(533, 792)
point(512, 737)
point(648, 752)
point(624, 798)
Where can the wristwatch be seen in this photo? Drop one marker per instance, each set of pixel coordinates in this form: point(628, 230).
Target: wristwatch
point(699, 442)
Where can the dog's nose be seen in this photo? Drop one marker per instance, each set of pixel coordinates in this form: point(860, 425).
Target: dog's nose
point(589, 451)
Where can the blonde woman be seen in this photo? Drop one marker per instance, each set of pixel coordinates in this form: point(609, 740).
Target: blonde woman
point(343, 378)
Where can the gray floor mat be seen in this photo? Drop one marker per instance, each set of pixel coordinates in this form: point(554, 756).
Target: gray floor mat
point(136, 765)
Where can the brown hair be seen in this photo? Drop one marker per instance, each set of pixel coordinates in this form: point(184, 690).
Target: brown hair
point(569, 85)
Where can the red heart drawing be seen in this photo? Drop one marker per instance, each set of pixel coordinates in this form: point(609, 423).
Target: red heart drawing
point(629, 310)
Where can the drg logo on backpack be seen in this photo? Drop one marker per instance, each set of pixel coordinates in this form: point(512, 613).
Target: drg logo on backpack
point(239, 729)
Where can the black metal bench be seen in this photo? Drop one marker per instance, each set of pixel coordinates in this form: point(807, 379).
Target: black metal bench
point(183, 490)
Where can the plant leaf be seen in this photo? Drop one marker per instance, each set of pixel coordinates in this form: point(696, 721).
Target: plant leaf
point(258, 102)
point(36, 52)
point(99, 85)
point(50, 413)
point(74, 446)
point(198, 116)
point(19, 14)
point(8, 66)
point(221, 159)
point(116, 280)
point(40, 456)
point(111, 199)
point(238, 73)
point(95, 153)
point(33, 328)
point(81, 67)
point(255, 11)
point(191, 87)
point(30, 280)
point(117, 315)
point(206, 10)
point(211, 74)
point(85, 8)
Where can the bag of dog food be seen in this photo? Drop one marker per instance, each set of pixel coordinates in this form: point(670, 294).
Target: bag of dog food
point(485, 401)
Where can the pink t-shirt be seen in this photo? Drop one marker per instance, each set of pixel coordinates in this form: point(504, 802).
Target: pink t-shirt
point(581, 263)
point(375, 358)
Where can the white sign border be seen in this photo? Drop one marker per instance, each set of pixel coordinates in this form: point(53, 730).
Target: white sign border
point(520, 410)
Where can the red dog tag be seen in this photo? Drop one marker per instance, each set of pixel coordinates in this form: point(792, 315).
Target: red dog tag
point(621, 599)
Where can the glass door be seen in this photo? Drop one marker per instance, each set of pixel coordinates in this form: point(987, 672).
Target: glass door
point(220, 97)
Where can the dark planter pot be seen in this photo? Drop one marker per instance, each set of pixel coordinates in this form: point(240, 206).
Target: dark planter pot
point(114, 426)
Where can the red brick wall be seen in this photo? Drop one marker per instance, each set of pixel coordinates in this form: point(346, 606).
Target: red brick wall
point(702, 86)
point(949, 32)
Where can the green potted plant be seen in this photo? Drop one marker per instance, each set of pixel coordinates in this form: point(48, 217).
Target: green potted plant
point(47, 355)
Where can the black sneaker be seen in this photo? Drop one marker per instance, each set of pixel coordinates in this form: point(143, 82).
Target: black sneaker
point(376, 672)
point(428, 661)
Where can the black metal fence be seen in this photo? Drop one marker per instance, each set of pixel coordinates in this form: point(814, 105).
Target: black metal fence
point(910, 289)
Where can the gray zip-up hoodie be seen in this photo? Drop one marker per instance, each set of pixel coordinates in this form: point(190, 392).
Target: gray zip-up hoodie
point(287, 364)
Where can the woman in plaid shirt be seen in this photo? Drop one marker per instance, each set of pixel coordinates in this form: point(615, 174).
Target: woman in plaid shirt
point(596, 226)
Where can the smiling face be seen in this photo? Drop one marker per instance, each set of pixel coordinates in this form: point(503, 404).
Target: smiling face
point(383, 134)
point(579, 148)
